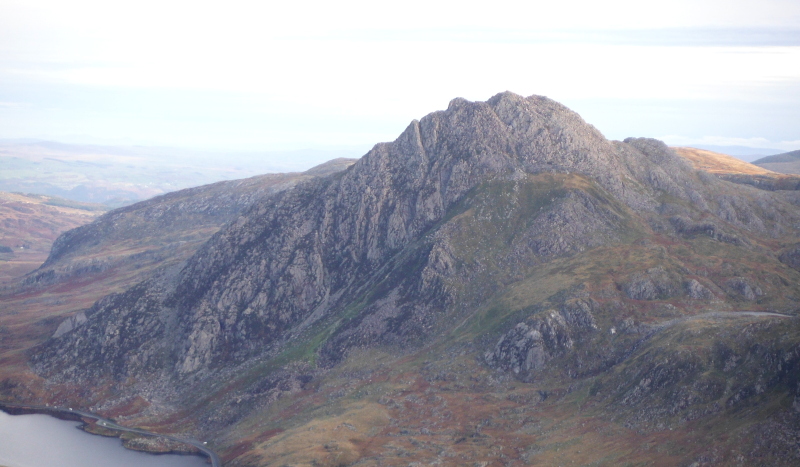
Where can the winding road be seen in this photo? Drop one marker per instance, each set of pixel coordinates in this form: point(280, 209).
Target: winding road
point(110, 424)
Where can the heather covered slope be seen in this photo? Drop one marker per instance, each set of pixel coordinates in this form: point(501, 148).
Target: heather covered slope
point(501, 252)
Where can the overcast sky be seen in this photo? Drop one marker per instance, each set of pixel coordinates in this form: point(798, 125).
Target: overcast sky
point(291, 75)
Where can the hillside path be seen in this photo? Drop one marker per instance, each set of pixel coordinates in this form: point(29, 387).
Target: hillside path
point(716, 314)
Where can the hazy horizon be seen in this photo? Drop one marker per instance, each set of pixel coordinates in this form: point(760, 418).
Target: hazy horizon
point(251, 77)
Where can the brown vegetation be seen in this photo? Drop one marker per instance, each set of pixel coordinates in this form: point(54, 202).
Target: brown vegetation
point(717, 163)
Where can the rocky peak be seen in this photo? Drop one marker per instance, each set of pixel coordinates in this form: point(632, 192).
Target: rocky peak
point(449, 151)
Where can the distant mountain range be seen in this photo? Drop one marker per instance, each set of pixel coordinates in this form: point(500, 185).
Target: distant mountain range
point(500, 285)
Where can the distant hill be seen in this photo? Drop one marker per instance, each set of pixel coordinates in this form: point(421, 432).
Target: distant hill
point(719, 163)
point(744, 153)
point(29, 224)
point(736, 170)
point(787, 163)
point(118, 176)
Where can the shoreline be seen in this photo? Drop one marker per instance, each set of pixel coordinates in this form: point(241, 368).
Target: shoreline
point(70, 414)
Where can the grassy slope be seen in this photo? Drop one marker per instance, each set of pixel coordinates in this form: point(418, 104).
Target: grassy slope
point(778, 175)
point(717, 163)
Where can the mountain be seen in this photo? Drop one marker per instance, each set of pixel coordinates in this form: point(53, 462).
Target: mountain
point(122, 247)
point(148, 232)
point(29, 224)
point(787, 163)
point(499, 285)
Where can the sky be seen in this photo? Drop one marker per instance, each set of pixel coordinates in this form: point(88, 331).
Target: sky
point(270, 76)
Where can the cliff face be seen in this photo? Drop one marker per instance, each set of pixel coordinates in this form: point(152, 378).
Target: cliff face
point(459, 227)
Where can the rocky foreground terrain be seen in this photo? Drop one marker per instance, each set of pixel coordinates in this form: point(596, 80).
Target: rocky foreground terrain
point(501, 285)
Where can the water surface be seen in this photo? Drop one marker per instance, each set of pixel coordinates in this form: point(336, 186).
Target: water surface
point(44, 441)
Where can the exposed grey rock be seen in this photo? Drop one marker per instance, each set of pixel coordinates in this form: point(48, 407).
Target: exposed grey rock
point(528, 346)
point(170, 226)
point(668, 385)
point(433, 233)
point(69, 324)
point(577, 313)
point(697, 291)
point(309, 250)
point(630, 326)
point(655, 283)
point(743, 287)
point(688, 227)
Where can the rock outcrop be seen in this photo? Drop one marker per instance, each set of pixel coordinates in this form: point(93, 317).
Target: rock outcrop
point(528, 346)
point(652, 284)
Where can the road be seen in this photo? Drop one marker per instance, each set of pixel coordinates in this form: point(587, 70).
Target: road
point(654, 329)
point(106, 423)
point(716, 314)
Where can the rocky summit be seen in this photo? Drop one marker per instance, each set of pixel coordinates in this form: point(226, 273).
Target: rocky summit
point(501, 285)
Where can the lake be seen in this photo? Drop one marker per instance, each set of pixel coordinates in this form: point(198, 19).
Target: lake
point(44, 441)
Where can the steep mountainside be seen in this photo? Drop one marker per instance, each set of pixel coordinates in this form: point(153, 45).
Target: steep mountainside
point(170, 226)
point(125, 246)
point(787, 163)
point(502, 252)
